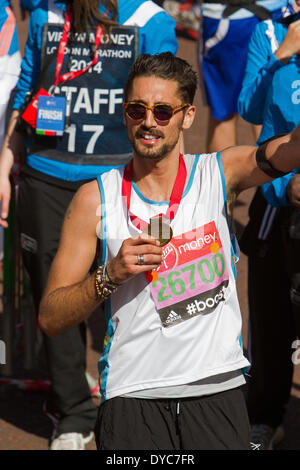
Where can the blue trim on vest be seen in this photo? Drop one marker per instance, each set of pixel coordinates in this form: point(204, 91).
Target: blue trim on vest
point(245, 369)
point(103, 363)
point(188, 187)
point(223, 182)
point(233, 252)
point(103, 221)
point(145, 199)
point(185, 192)
point(232, 239)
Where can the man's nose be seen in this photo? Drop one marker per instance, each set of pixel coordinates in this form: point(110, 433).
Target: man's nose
point(149, 120)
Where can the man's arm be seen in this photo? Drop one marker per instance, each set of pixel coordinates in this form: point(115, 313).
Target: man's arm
point(241, 169)
point(290, 44)
point(71, 295)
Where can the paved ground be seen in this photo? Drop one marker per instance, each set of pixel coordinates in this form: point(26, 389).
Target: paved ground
point(23, 426)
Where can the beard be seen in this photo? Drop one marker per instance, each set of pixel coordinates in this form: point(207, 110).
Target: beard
point(153, 153)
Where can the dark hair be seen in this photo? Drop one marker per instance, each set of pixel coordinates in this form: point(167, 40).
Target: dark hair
point(168, 67)
point(86, 13)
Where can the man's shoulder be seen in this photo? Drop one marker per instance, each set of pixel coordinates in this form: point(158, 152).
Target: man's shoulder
point(88, 195)
point(106, 179)
point(199, 161)
point(200, 157)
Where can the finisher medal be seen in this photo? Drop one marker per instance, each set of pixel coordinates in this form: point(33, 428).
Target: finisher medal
point(159, 229)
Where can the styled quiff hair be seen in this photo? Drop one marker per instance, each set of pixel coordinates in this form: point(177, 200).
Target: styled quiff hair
point(167, 67)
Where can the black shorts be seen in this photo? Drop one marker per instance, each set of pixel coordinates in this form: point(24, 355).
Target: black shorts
point(213, 422)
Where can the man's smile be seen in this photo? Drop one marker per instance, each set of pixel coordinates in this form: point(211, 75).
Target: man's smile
point(148, 138)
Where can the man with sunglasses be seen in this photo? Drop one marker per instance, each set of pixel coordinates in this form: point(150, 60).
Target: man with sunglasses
point(172, 365)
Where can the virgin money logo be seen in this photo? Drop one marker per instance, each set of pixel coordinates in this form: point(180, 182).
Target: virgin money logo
point(170, 256)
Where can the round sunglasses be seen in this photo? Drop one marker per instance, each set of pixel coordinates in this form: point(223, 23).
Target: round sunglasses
point(161, 112)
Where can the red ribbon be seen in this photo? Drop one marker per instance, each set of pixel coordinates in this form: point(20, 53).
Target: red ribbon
point(61, 52)
point(175, 198)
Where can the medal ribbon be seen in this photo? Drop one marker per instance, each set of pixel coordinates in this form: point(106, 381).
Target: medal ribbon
point(175, 198)
point(62, 48)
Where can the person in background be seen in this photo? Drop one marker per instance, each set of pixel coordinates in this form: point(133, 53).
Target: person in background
point(77, 57)
point(10, 60)
point(28, 5)
point(270, 98)
point(224, 36)
point(186, 15)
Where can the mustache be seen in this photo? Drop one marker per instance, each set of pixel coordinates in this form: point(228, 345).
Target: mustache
point(143, 129)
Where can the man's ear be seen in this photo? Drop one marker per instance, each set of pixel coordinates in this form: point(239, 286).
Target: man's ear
point(189, 116)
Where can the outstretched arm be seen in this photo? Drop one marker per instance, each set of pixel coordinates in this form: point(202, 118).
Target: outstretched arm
point(71, 295)
point(241, 169)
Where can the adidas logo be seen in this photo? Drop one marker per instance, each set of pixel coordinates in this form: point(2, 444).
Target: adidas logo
point(173, 316)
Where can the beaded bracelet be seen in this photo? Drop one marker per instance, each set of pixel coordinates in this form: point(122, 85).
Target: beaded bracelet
point(104, 285)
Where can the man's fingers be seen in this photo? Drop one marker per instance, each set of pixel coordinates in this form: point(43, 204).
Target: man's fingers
point(135, 256)
point(144, 238)
point(141, 259)
point(4, 210)
point(3, 223)
point(141, 245)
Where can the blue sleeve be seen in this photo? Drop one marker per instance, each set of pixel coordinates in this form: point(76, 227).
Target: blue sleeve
point(275, 191)
point(158, 35)
point(156, 28)
point(261, 65)
point(29, 4)
point(31, 62)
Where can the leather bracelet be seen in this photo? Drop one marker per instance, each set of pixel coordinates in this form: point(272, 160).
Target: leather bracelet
point(104, 287)
point(108, 279)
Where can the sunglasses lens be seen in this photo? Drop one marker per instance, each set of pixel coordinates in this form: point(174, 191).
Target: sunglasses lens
point(163, 112)
point(136, 111)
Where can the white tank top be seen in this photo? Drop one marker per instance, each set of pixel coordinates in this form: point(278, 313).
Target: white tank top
point(185, 325)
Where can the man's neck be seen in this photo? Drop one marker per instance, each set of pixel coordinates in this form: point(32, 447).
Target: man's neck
point(155, 179)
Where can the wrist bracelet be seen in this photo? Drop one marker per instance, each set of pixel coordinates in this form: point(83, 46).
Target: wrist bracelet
point(108, 279)
point(104, 287)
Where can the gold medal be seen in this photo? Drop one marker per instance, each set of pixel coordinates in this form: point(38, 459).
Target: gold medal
point(158, 228)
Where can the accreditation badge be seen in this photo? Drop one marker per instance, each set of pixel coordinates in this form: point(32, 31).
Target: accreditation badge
point(51, 115)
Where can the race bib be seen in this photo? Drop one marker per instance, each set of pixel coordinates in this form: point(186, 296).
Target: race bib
point(193, 277)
